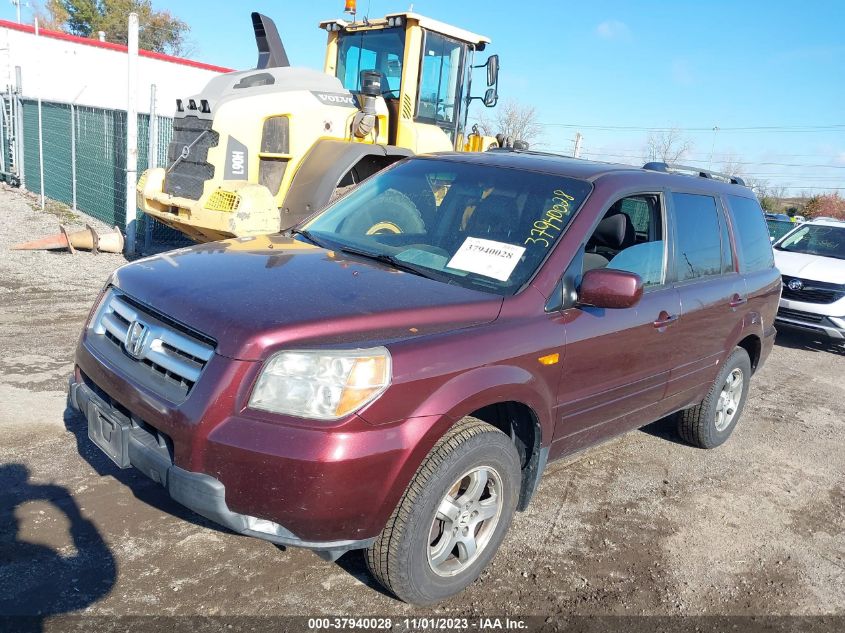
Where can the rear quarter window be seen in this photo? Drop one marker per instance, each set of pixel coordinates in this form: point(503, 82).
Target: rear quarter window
point(754, 247)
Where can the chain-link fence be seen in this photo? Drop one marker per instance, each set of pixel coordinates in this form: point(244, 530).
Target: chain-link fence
point(83, 150)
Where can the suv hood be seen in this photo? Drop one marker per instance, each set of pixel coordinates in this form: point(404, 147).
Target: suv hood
point(815, 267)
point(255, 294)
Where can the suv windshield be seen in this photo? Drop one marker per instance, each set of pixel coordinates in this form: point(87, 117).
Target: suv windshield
point(816, 239)
point(380, 50)
point(483, 227)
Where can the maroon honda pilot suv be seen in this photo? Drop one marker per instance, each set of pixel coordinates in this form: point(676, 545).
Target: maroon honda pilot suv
point(395, 373)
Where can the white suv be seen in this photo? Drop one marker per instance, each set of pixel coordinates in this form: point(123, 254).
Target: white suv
point(811, 259)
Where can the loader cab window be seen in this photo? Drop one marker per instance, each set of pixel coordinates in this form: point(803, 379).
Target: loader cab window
point(380, 50)
point(440, 81)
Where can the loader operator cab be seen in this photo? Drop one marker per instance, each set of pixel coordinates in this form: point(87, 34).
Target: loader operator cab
point(259, 150)
point(425, 67)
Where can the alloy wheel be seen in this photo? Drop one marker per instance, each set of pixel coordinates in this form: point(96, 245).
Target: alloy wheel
point(465, 521)
point(729, 398)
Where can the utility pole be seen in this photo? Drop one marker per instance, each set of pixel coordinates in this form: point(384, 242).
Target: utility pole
point(41, 184)
point(152, 160)
point(576, 153)
point(712, 146)
point(17, 4)
point(132, 133)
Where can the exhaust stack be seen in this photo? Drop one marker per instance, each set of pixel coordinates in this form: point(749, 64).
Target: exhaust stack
point(271, 51)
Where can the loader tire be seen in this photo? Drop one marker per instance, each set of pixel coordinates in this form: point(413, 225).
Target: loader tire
point(390, 212)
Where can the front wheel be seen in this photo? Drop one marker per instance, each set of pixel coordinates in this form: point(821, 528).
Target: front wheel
point(452, 517)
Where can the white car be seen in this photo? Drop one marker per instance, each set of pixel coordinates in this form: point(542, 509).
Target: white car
point(811, 259)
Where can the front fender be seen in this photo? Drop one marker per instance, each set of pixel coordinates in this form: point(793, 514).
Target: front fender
point(476, 388)
point(460, 396)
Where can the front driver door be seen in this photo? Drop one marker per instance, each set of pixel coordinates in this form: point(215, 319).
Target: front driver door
point(617, 361)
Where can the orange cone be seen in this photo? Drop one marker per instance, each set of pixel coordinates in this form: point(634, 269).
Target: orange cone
point(86, 239)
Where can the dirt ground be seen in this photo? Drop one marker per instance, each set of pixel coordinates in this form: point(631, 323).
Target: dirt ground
point(642, 525)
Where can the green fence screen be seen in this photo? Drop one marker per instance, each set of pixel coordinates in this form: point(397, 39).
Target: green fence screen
point(98, 137)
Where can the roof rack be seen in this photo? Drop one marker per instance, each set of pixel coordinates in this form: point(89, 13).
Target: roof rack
point(697, 171)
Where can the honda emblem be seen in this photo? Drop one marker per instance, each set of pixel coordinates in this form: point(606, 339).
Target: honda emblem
point(136, 337)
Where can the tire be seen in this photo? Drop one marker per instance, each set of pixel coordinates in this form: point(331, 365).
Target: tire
point(391, 212)
point(710, 423)
point(402, 556)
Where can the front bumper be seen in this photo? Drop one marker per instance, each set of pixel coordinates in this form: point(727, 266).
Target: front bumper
point(199, 492)
point(250, 209)
point(801, 316)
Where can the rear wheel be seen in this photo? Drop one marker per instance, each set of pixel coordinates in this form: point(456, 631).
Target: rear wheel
point(710, 423)
point(452, 517)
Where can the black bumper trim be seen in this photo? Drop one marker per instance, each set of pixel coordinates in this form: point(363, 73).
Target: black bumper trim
point(199, 492)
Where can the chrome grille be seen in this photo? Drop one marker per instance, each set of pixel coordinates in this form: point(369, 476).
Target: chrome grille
point(811, 291)
point(165, 352)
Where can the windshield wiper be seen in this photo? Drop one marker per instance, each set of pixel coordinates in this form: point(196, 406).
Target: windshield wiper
point(398, 264)
point(308, 236)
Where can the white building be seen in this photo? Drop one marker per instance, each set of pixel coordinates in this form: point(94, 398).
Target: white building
point(60, 67)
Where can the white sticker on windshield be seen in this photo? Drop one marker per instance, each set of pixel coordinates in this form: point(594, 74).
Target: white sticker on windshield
point(486, 257)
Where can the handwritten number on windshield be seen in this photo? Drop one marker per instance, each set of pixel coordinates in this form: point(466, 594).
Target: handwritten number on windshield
point(547, 227)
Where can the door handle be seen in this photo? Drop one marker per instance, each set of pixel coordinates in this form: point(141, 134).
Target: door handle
point(664, 319)
point(737, 301)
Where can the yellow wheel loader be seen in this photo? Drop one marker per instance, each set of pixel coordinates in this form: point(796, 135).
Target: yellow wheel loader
point(261, 149)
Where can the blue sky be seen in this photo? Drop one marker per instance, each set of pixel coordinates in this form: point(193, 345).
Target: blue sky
point(603, 65)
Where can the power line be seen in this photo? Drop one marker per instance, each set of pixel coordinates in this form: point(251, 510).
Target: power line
point(635, 155)
point(836, 127)
point(797, 187)
point(819, 182)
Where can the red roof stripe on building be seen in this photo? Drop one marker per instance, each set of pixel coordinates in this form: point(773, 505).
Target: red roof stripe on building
point(120, 48)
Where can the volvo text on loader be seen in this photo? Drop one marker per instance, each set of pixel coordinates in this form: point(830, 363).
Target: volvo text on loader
point(259, 150)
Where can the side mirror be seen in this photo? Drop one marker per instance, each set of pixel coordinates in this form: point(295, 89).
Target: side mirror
point(608, 288)
point(492, 70)
point(491, 97)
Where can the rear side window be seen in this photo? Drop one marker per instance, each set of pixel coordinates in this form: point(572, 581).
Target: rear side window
point(752, 236)
point(698, 244)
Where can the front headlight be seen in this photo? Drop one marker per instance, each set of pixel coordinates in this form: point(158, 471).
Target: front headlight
point(322, 385)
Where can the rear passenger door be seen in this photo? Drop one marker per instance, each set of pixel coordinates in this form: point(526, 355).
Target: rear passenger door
point(712, 292)
point(756, 260)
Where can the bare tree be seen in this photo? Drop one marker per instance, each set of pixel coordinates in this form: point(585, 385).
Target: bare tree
point(513, 119)
point(778, 192)
point(759, 186)
point(666, 146)
point(732, 166)
point(771, 197)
